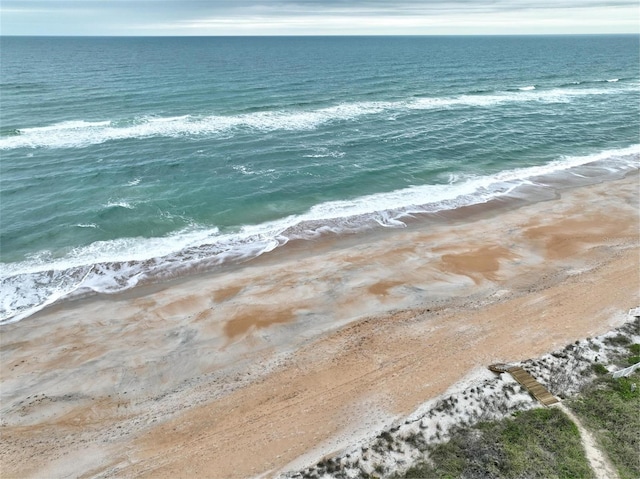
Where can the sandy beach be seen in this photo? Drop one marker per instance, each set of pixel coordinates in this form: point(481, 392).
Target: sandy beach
point(268, 367)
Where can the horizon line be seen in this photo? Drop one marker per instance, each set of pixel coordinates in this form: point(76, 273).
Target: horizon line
point(327, 35)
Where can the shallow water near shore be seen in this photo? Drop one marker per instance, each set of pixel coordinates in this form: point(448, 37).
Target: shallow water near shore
point(129, 162)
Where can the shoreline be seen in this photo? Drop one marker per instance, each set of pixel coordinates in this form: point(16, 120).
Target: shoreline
point(309, 236)
point(289, 359)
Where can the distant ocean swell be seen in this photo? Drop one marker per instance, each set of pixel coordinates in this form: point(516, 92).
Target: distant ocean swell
point(112, 266)
point(80, 133)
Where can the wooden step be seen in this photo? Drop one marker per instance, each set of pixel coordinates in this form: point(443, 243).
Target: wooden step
point(536, 389)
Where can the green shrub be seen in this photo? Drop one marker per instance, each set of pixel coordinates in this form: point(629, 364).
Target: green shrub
point(599, 368)
point(379, 468)
point(386, 435)
point(635, 349)
point(626, 388)
point(618, 340)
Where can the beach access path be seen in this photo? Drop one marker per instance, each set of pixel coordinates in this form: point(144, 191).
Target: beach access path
point(598, 460)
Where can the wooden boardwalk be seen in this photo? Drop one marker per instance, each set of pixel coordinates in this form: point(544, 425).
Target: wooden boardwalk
point(536, 389)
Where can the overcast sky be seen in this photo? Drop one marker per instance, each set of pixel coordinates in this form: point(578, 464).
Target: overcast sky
point(316, 17)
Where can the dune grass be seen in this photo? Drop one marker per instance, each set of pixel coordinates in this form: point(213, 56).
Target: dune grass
point(540, 443)
point(610, 408)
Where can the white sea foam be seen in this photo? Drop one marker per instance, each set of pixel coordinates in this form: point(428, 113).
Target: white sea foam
point(119, 204)
point(67, 126)
point(245, 170)
point(77, 134)
point(117, 265)
point(453, 178)
point(325, 153)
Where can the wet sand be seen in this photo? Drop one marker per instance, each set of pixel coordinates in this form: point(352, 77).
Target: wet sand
point(270, 366)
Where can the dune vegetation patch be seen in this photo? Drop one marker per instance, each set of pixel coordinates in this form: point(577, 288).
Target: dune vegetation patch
point(541, 442)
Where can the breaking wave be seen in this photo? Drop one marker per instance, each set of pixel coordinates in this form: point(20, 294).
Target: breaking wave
point(78, 134)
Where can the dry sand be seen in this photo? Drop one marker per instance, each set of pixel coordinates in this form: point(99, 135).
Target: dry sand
point(271, 366)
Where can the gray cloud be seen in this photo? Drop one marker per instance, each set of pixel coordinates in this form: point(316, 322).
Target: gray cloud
point(125, 16)
point(311, 6)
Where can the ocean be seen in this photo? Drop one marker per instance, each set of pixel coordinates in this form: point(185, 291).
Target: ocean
point(131, 161)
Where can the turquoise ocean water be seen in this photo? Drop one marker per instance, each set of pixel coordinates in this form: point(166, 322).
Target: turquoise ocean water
point(132, 160)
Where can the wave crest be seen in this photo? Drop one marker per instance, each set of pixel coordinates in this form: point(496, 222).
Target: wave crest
point(78, 134)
